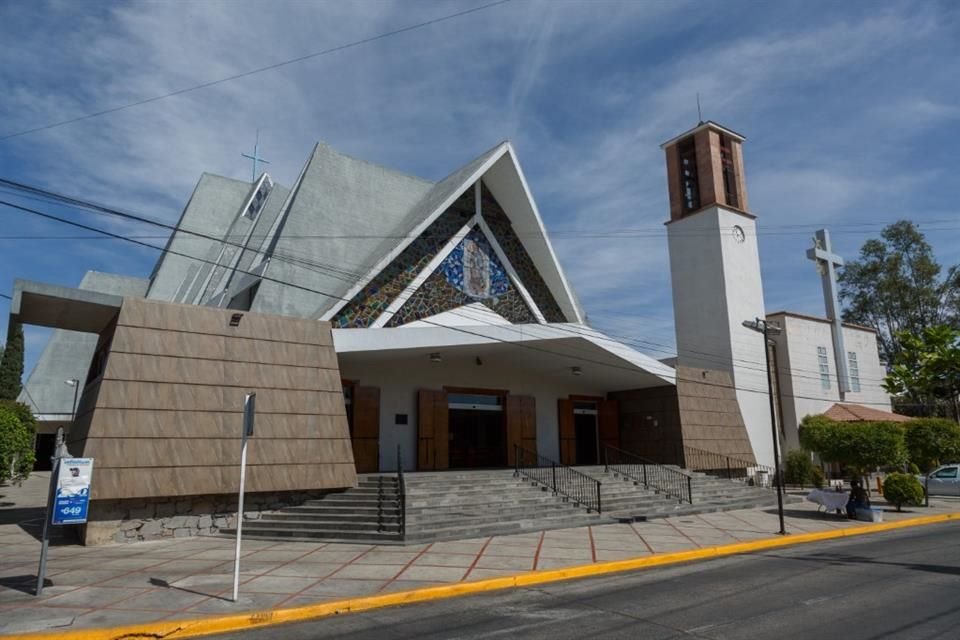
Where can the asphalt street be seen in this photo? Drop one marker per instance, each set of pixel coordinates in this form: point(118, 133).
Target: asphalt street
point(901, 585)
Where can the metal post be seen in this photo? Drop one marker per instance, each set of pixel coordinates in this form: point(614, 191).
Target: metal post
point(249, 409)
point(773, 427)
point(598, 498)
point(76, 389)
point(553, 468)
point(45, 536)
point(645, 483)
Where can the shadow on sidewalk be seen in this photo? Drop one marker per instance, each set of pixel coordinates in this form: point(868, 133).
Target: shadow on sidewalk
point(24, 584)
point(157, 582)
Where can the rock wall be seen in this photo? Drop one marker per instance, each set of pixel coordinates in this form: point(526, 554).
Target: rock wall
point(138, 520)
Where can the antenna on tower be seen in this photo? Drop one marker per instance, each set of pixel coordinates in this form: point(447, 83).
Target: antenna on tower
point(699, 113)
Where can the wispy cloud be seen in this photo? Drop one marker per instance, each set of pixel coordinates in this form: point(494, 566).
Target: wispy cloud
point(848, 115)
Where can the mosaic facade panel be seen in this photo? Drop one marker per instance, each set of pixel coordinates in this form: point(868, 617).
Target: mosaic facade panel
point(373, 299)
point(521, 262)
point(471, 273)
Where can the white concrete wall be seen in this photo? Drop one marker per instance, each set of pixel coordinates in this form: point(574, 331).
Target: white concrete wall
point(399, 380)
point(799, 375)
point(716, 286)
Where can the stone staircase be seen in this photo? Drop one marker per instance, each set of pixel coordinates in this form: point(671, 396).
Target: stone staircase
point(446, 505)
point(624, 499)
point(369, 512)
point(452, 505)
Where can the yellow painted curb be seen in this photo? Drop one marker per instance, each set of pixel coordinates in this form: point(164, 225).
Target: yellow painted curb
point(257, 619)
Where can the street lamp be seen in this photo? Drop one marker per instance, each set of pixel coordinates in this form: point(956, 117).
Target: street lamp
point(770, 329)
point(73, 382)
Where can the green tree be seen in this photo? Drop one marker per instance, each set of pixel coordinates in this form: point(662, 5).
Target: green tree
point(16, 443)
point(896, 286)
point(11, 365)
point(926, 371)
point(900, 489)
point(857, 446)
point(931, 441)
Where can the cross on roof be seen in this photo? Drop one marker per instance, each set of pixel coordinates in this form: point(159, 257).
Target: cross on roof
point(827, 263)
point(256, 156)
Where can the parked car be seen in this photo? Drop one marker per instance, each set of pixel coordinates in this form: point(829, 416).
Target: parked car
point(944, 480)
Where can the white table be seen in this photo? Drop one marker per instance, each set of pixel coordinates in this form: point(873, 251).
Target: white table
point(830, 500)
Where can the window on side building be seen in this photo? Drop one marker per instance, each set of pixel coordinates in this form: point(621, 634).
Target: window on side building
point(854, 371)
point(824, 364)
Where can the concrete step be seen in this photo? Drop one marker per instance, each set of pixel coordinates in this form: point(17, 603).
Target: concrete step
point(320, 525)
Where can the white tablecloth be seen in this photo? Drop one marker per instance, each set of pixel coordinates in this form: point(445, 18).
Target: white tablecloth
point(829, 499)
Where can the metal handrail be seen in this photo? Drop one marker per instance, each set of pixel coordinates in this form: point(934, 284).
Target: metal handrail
point(559, 478)
point(401, 495)
point(724, 466)
point(673, 482)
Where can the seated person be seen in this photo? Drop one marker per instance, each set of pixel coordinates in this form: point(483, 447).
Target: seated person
point(858, 499)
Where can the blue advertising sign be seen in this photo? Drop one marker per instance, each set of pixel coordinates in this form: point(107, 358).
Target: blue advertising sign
point(73, 491)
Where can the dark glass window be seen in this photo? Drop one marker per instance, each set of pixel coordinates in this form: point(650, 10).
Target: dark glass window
point(689, 185)
point(729, 172)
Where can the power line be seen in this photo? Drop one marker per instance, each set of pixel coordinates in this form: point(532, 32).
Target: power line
point(339, 273)
point(251, 72)
point(459, 329)
point(3, 295)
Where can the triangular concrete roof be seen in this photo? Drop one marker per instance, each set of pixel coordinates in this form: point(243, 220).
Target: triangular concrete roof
point(501, 173)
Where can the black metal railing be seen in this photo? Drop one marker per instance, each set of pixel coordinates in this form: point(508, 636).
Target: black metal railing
point(564, 481)
point(401, 494)
point(672, 482)
point(726, 466)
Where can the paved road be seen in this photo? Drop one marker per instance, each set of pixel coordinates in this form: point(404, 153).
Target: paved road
point(899, 585)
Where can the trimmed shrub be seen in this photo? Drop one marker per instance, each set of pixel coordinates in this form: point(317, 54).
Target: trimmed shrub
point(857, 446)
point(816, 478)
point(900, 489)
point(798, 469)
point(914, 469)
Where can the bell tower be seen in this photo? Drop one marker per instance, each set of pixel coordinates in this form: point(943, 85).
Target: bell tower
point(715, 269)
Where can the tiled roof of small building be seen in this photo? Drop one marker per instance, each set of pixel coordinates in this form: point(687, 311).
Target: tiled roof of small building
point(860, 413)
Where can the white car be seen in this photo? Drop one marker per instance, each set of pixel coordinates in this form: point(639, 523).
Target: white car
point(944, 480)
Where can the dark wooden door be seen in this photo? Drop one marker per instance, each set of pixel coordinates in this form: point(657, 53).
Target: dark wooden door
point(433, 431)
point(608, 421)
point(521, 425)
point(568, 434)
point(366, 429)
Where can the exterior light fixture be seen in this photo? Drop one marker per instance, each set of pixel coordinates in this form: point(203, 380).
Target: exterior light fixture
point(435, 357)
point(73, 382)
point(235, 319)
point(576, 371)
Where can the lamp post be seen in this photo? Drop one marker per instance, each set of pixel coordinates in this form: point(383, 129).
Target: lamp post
point(769, 329)
point(73, 382)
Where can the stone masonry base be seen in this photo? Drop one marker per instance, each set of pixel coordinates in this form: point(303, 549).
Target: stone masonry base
point(138, 520)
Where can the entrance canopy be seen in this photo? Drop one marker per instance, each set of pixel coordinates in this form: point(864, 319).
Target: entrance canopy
point(49, 305)
point(560, 349)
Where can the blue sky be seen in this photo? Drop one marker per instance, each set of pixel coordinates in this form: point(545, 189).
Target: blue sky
point(851, 111)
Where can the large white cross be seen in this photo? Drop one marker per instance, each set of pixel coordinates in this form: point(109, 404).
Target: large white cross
point(827, 263)
point(256, 156)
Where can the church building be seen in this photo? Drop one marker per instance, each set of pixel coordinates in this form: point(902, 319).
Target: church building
point(437, 330)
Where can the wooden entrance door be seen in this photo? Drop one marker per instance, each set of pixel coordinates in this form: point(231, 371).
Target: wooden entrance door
point(608, 425)
point(365, 436)
point(521, 425)
point(433, 430)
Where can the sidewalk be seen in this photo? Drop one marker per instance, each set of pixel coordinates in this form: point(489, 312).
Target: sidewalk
point(190, 578)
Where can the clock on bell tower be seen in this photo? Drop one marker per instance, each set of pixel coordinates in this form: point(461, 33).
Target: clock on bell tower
point(715, 269)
